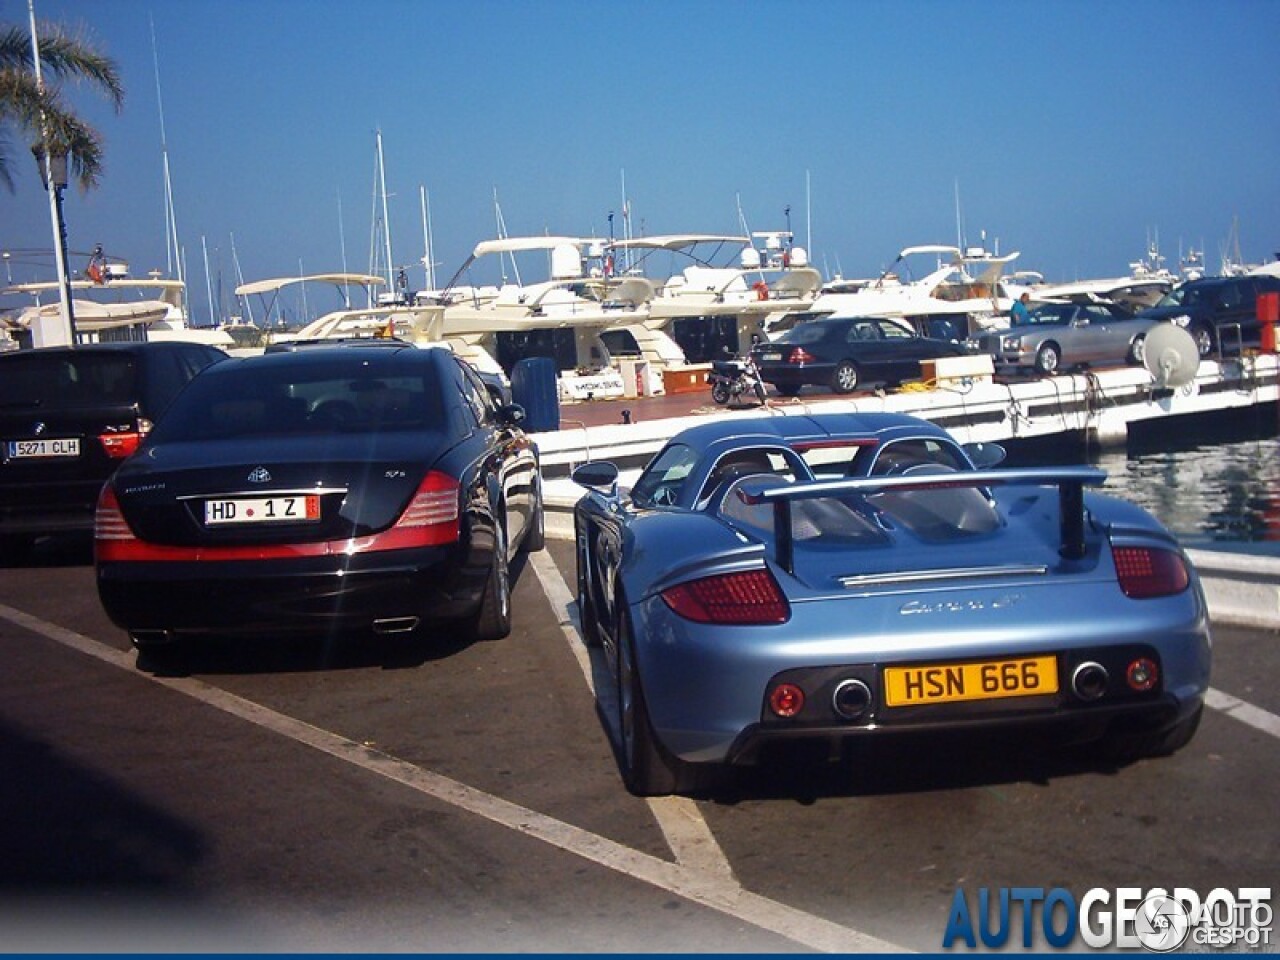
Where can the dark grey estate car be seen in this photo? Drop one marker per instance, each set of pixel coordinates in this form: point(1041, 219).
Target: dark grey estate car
point(1220, 313)
point(69, 417)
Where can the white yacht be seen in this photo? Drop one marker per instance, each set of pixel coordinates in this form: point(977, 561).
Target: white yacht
point(961, 294)
point(709, 308)
point(113, 307)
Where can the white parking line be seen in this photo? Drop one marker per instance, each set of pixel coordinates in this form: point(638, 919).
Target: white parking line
point(709, 888)
point(686, 832)
point(1244, 712)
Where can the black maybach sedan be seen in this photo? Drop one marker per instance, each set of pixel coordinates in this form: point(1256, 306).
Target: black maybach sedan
point(321, 492)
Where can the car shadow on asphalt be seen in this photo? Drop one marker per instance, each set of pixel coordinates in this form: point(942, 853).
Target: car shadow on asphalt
point(59, 550)
point(918, 763)
point(216, 655)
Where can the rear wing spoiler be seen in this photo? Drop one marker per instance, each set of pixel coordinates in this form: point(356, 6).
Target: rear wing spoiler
point(1070, 482)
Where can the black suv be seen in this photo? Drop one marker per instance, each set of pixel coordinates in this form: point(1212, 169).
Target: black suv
point(68, 417)
point(1220, 313)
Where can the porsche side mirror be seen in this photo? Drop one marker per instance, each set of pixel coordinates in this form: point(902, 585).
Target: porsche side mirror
point(598, 475)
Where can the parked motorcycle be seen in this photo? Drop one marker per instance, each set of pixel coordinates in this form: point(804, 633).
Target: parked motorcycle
point(731, 379)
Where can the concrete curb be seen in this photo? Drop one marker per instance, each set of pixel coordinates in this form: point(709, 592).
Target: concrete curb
point(1241, 589)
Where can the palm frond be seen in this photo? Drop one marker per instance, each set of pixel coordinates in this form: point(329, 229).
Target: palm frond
point(40, 110)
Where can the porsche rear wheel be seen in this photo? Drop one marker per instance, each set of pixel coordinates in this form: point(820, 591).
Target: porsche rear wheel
point(647, 769)
point(493, 621)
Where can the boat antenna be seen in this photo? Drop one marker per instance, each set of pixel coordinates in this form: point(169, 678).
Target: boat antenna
point(172, 255)
point(742, 218)
point(959, 220)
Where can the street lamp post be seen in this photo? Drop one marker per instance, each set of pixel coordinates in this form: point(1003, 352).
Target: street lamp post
point(53, 173)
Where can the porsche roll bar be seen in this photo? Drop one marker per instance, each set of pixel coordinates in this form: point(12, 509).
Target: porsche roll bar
point(1070, 482)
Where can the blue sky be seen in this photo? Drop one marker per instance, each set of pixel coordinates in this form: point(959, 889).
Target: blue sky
point(1073, 132)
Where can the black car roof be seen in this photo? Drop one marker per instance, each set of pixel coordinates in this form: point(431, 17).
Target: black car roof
point(327, 357)
point(112, 346)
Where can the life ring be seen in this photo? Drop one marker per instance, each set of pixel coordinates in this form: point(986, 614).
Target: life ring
point(762, 290)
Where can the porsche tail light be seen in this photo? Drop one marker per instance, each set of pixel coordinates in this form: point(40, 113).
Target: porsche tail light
point(801, 355)
point(1146, 572)
point(117, 446)
point(747, 597)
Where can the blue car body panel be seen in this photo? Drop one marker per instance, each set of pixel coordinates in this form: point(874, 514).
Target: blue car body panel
point(890, 594)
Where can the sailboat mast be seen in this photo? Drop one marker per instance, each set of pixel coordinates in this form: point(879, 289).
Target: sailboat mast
point(248, 307)
point(386, 223)
point(426, 239)
point(342, 244)
point(808, 215)
point(208, 282)
point(502, 235)
point(626, 224)
point(173, 255)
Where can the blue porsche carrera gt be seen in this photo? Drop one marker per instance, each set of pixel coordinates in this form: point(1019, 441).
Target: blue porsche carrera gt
point(828, 577)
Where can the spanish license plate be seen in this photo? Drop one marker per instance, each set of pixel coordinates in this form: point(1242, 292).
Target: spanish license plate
point(43, 449)
point(950, 682)
point(286, 509)
point(770, 356)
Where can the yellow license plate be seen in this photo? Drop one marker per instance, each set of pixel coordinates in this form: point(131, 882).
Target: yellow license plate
point(950, 682)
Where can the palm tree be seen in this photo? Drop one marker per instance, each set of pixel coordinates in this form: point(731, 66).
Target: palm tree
point(41, 114)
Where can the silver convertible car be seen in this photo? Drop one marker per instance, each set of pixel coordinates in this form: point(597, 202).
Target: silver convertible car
point(794, 578)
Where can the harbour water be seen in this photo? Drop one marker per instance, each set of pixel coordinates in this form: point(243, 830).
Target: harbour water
point(1215, 484)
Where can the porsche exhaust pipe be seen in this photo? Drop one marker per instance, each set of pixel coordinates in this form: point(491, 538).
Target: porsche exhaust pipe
point(1089, 681)
point(851, 699)
point(395, 625)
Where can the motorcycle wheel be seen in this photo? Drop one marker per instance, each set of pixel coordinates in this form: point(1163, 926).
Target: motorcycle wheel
point(720, 392)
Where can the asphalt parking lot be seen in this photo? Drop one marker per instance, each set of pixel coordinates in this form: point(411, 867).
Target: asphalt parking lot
point(439, 796)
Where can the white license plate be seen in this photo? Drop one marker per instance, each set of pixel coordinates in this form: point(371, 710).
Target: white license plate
point(291, 509)
point(42, 449)
point(770, 356)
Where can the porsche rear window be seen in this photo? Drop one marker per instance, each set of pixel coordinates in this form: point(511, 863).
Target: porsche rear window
point(63, 380)
point(934, 516)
